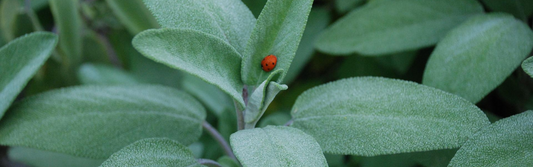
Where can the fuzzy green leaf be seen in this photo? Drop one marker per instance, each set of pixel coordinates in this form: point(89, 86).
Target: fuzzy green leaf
point(386, 27)
point(69, 27)
point(477, 56)
point(371, 116)
point(133, 15)
point(277, 32)
point(507, 142)
point(276, 146)
point(527, 65)
point(105, 75)
point(40, 158)
point(318, 20)
point(261, 98)
point(197, 53)
point(153, 152)
point(229, 20)
point(19, 61)
point(96, 121)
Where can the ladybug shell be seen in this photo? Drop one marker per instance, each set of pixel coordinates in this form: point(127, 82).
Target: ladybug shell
point(268, 63)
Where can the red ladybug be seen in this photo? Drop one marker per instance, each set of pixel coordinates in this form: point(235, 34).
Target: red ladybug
point(268, 63)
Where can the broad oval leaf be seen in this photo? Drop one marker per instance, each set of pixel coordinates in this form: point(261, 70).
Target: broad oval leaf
point(278, 31)
point(133, 15)
point(477, 56)
point(276, 146)
point(527, 66)
point(96, 121)
point(507, 142)
point(153, 152)
point(69, 26)
point(371, 116)
point(386, 27)
point(229, 20)
point(19, 61)
point(105, 75)
point(197, 53)
point(41, 158)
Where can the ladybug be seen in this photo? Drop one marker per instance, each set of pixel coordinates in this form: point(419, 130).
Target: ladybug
point(268, 63)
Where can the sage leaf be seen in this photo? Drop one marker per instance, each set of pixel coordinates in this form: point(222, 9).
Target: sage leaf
point(371, 116)
point(385, 27)
point(153, 152)
point(477, 56)
point(284, 146)
point(104, 75)
point(19, 61)
point(507, 142)
point(41, 158)
point(96, 121)
point(69, 26)
point(260, 98)
point(133, 15)
point(197, 53)
point(229, 20)
point(278, 31)
point(527, 65)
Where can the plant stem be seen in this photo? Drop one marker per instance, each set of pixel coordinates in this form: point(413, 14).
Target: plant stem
point(240, 116)
point(223, 143)
point(208, 162)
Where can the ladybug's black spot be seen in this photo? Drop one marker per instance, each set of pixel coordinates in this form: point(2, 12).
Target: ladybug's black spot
point(266, 65)
point(272, 63)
